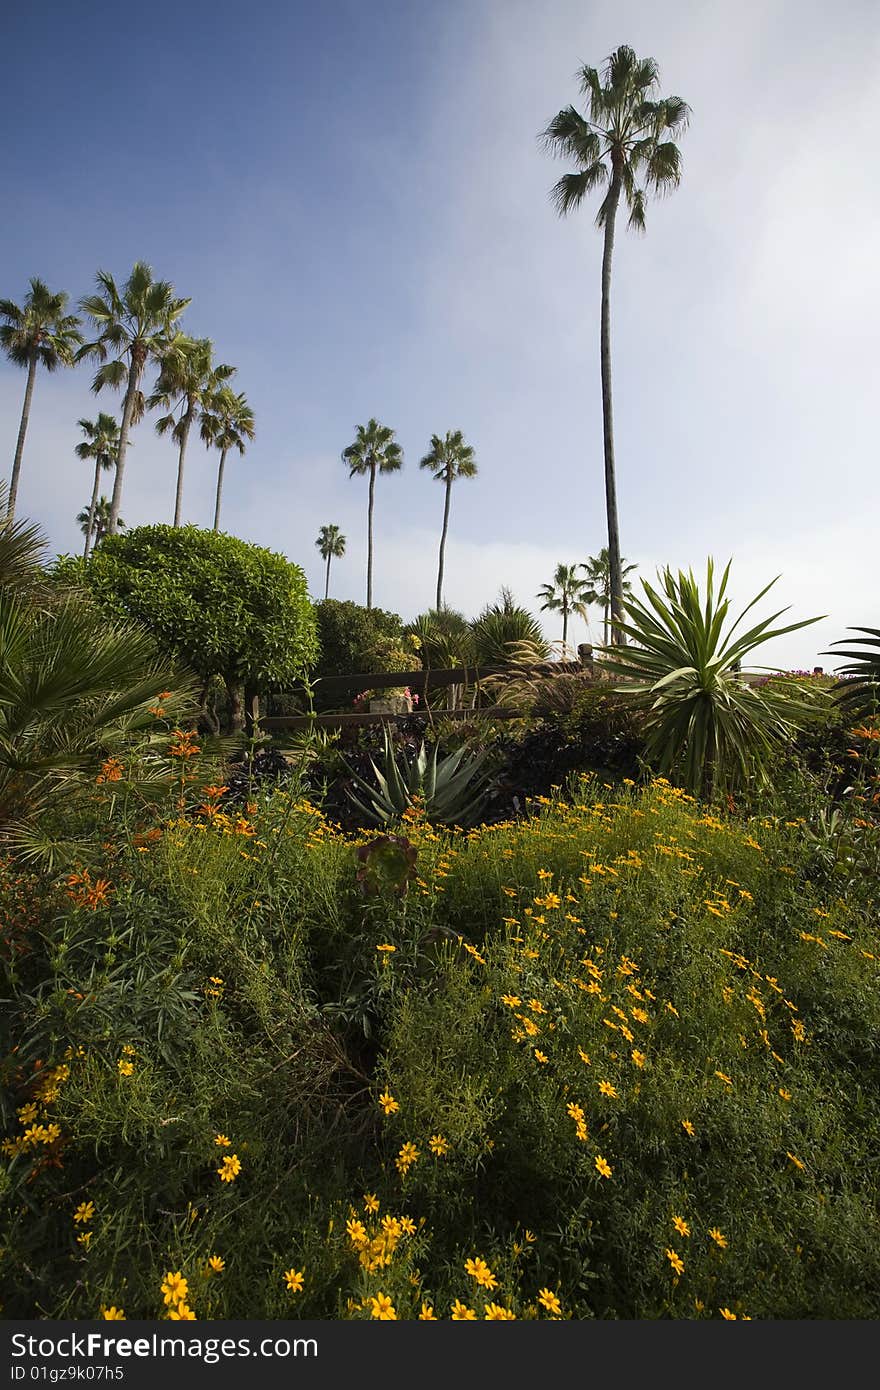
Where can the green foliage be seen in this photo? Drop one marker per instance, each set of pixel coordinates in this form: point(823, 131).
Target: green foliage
point(702, 720)
point(858, 691)
point(501, 625)
point(225, 607)
point(445, 638)
point(354, 639)
point(449, 789)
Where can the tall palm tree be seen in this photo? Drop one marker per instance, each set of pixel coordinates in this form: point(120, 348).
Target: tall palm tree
point(226, 422)
point(101, 443)
point(330, 542)
point(448, 459)
point(187, 380)
point(598, 582)
point(134, 326)
point(96, 523)
point(623, 138)
point(39, 334)
point(566, 595)
point(375, 450)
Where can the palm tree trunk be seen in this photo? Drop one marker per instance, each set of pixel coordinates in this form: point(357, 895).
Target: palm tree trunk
point(135, 369)
point(607, 419)
point(178, 497)
point(327, 585)
point(370, 538)
point(22, 431)
point(606, 622)
point(223, 453)
point(564, 625)
point(91, 526)
point(443, 538)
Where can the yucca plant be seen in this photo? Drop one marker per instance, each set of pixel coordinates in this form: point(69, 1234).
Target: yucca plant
point(450, 790)
point(500, 626)
point(858, 691)
point(703, 722)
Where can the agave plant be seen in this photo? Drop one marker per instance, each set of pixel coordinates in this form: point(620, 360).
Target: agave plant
point(858, 690)
point(703, 722)
point(450, 790)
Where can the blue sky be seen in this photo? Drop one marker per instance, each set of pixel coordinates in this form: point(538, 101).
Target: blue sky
point(356, 200)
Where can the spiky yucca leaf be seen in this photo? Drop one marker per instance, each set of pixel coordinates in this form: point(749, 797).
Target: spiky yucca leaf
point(858, 690)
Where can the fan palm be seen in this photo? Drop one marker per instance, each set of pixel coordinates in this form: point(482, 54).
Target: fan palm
point(702, 719)
point(448, 459)
point(598, 581)
point(39, 334)
point(374, 450)
point(134, 326)
point(330, 543)
point(566, 595)
point(101, 443)
point(94, 522)
point(623, 139)
point(226, 422)
point(188, 380)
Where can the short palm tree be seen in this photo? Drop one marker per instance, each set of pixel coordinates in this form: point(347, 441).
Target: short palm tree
point(624, 138)
point(566, 595)
point(702, 720)
point(501, 628)
point(39, 334)
point(134, 326)
point(188, 379)
point(374, 450)
point(101, 443)
point(448, 459)
point(330, 543)
point(598, 581)
point(94, 521)
point(227, 421)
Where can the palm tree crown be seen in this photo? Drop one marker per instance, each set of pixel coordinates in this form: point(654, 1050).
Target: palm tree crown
point(621, 146)
point(227, 421)
point(598, 582)
point(101, 443)
point(37, 334)
point(566, 595)
point(331, 544)
point(448, 459)
point(98, 526)
point(374, 450)
point(187, 380)
point(133, 325)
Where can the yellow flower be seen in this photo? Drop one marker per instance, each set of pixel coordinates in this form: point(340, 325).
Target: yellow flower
point(786, 1095)
point(549, 1300)
point(427, 1314)
point(727, 1315)
point(181, 1313)
point(175, 1287)
point(357, 1232)
point(230, 1168)
point(84, 1212)
point(84, 1237)
point(113, 1314)
point(495, 1313)
point(722, 1076)
point(216, 1264)
point(676, 1261)
point(480, 1271)
point(607, 1089)
point(603, 1166)
point(125, 1067)
point(406, 1158)
point(371, 1201)
point(688, 1128)
point(541, 1056)
point(583, 1056)
point(719, 1239)
point(388, 1103)
point(638, 1058)
point(294, 1278)
point(438, 1145)
point(462, 1313)
point(382, 1308)
point(221, 1141)
point(796, 1161)
point(682, 1226)
point(28, 1113)
point(512, 1001)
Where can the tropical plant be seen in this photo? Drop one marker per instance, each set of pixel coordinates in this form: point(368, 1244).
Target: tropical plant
point(227, 421)
point(94, 522)
point(222, 606)
point(703, 721)
point(37, 334)
point(500, 626)
point(134, 326)
point(598, 568)
point(450, 790)
point(448, 459)
point(623, 138)
point(445, 638)
point(566, 595)
point(858, 690)
point(101, 443)
point(330, 543)
point(374, 450)
point(188, 382)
